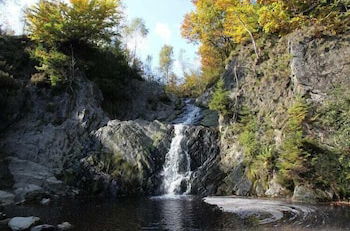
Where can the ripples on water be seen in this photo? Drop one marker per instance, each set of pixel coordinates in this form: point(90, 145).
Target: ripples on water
point(189, 213)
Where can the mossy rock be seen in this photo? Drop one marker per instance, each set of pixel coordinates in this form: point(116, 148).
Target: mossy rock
point(210, 118)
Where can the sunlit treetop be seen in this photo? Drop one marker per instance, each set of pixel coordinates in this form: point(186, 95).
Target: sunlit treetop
point(92, 21)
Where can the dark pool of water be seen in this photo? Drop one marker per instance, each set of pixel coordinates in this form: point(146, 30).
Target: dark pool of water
point(182, 213)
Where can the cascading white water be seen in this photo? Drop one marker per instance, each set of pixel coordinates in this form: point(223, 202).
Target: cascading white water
point(177, 168)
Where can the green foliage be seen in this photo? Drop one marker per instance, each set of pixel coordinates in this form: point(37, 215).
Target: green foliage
point(293, 162)
point(222, 25)
point(335, 114)
point(89, 21)
point(259, 153)
point(220, 99)
point(53, 64)
point(247, 138)
point(81, 38)
point(13, 50)
point(301, 158)
point(166, 61)
point(60, 30)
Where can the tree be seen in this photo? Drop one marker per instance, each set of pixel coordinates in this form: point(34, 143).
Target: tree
point(90, 21)
point(166, 61)
point(60, 30)
point(205, 25)
point(135, 29)
point(220, 99)
point(241, 20)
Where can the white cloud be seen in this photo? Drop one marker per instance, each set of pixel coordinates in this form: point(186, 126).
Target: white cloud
point(163, 30)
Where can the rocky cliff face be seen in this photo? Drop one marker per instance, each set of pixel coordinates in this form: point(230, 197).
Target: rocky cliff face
point(51, 133)
point(280, 108)
point(59, 140)
point(263, 96)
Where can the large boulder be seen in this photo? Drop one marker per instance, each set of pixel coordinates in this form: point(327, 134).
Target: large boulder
point(304, 193)
point(33, 180)
point(275, 189)
point(130, 157)
point(22, 223)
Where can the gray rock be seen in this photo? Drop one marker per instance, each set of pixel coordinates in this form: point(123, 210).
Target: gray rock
point(134, 151)
point(6, 179)
point(319, 64)
point(65, 226)
point(45, 201)
point(148, 101)
point(304, 193)
point(32, 178)
point(205, 98)
point(259, 189)
point(22, 223)
point(4, 221)
point(43, 228)
point(28, 192)
point(203, 149)
point(210, 118)
point(6, 198)
point(53, 134)
point(62, 135)
point(275, 189)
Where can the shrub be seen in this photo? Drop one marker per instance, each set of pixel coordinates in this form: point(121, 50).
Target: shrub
point(333, 116)
point(53, 64)
point(259, 154)
point(220, 99)
point(292, 161)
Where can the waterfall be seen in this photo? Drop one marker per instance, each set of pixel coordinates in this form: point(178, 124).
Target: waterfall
point(177, 168)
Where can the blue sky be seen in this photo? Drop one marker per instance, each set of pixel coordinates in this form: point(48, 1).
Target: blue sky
point(163, 18)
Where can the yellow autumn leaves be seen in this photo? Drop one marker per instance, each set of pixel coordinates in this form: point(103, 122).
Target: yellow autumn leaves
point(87, 20)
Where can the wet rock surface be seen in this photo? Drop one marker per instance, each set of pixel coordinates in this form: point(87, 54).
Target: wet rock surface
point(58, 136)
point(22, 223)
point(6, 198)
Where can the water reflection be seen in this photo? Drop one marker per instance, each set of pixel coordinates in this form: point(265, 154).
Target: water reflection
point(170, 213)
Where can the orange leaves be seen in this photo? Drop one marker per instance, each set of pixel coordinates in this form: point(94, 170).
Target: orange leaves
point(188, 28)
point(205, 25)
point(210, 57)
